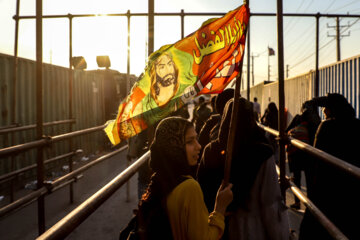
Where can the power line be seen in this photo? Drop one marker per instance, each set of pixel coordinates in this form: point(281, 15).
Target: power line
point(302, 35)
point(311, 54)
point(332, 3)
point(344, 6)
point(309, 5)
point(326, 44)
point(292, 19)
point(338, 36)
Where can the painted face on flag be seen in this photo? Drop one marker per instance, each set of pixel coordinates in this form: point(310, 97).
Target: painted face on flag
point(165, 71)
point(204, 62)
point(164, 79)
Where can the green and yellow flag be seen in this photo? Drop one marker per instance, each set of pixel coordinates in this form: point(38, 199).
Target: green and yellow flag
point(204, 62)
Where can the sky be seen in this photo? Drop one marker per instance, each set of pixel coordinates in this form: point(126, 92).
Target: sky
point(101, 35)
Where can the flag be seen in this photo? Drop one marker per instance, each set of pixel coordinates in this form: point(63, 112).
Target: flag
point(271, 51)
point(204, 62)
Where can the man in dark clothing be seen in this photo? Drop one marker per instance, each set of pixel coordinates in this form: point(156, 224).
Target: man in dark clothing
point(202, 113)
point(138, 145)
point(302, 127)
point(257, 210)
point(334, 191)
point(210, 130)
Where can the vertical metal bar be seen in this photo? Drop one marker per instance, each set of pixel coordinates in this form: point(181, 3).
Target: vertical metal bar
point(317, 56)
point(13, 112)
point(282, 119)
point(39, 116)
point(71, 79)
point(13, 104)
point(268, 65)
point(252, 70)
point(338, 57)
point(234, 117)
point(182, 23)
point(128, 162)
point(151, 27)
point(248, 63)
point(128, 53)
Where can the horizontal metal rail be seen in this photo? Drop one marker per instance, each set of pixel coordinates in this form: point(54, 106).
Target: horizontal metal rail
point(22, 202)
point(337, 162)
point(16, 127)
point(9, 126)
point(188, 14)
point(45, 141)
point(16, 172)
point(31, 197)
point(66, 225)
point(322, 219)
point(52, 186)
point(72, 174)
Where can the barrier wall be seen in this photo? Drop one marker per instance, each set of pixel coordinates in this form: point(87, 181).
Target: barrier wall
point(88, 104)
point(341, 77)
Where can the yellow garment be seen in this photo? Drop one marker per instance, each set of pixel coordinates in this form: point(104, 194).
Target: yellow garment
point(188, 215)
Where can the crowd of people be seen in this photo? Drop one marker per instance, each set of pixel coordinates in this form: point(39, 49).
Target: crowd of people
point(185, 193)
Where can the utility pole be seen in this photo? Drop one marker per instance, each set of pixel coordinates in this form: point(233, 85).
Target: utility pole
point(252, 72)
point(268, 68)
point(338, 36)
point(287, 70)
point(271, 52)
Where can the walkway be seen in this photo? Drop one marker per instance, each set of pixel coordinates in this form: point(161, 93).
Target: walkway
point(105, 223)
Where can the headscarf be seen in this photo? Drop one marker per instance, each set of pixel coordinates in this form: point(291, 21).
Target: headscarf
point(169, 163)
point(338, 105)
point(250, 149)
point(168, 155)
point(168, 158)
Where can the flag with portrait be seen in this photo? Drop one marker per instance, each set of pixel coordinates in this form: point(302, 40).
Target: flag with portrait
point(204, 62)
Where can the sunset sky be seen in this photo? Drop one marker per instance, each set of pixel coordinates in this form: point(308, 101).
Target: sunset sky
point(108, 35)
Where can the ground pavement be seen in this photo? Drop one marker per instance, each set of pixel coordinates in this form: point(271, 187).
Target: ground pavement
point(106, 222)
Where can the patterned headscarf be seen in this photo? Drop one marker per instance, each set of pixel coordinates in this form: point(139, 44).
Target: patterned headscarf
point(168, 155)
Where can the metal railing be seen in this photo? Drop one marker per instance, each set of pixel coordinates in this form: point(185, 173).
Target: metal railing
point(51, 186)
point(45, 141)
point(338, 163)
point(66, 225)
point(18, 127)
point(42, 188)
point(12, 176)
point(15, 173)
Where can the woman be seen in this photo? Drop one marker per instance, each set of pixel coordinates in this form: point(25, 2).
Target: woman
point(174, 192)
point(257, 211)
point(270, 119)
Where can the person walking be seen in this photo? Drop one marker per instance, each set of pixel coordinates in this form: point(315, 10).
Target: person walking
point(257, 211)
point(174, 193)
point(257, 109)
point(270, 119)
point(201, 113)
point(210, 130)
point(138, 145)
point(334, 191)
point(302, 127)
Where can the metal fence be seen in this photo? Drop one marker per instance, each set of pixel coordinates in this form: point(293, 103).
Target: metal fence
point(341, 77)
point(88, 101)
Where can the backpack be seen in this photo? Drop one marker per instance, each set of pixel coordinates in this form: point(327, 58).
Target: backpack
point(155, 226)
point(150, 221)
point(130, 231)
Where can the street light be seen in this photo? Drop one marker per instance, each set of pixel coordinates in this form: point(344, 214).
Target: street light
point(103, 61)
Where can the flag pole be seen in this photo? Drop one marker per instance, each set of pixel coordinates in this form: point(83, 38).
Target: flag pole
point(234, 117)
